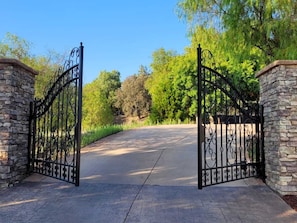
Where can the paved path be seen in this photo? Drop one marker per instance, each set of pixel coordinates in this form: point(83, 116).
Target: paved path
point(143, 175)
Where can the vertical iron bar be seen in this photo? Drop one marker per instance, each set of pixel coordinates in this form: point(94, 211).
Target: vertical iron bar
point(78, 129)
point(199, 90)
point(43, 123)
point(240, 140)
point(62, 142)
point(58, 163)
point(235, 139)
point(245, 131)
point(30, 138)
point(75, 115)
point(52, 135)
point(226, 135)
point(221, 131)
point(37, 141)
point(205, 171)
point(47, 137)
point(207, 87)
point(216, 129)
point(66, 127)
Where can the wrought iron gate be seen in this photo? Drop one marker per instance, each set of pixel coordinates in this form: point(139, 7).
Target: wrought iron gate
point(55, 124)
point(230, 134)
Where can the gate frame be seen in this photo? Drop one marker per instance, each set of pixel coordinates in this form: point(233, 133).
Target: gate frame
point(260, 158)
point(75, 61)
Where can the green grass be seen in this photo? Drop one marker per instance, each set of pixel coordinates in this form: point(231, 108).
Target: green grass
point(94, 135)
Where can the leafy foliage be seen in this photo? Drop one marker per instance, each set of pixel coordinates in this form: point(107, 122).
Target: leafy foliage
point(133, 97)
point(159, 86)
point(172, 86)
point(99, 99)
point(15, 47)
point(240, 66)
point(242, 36)
point(96, 109)
point(269, 26)
point(107, 83)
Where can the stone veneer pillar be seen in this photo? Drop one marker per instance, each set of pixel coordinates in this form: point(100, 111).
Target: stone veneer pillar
point(16, 93)
point(278, 95)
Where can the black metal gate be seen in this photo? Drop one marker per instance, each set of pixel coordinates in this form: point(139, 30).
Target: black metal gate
point(55, 124)
point(230, 134)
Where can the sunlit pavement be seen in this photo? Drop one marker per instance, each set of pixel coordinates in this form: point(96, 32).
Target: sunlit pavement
point(143, 175)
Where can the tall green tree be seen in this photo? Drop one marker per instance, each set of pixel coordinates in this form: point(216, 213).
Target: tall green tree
point(268, 25)
point(184, 85)
point(133, 98)
point(173, 87)
point(159, 86)
point(99, 99)
point(240, 66)
point(96, 109)
point(108, 83)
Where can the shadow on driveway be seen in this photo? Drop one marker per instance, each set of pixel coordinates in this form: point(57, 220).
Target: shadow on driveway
point(142, 175)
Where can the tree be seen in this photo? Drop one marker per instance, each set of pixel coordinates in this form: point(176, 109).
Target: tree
point(99, 99)
point(184, 81)
point(173, 86)
point(159, 86)
point(108, 83)
point(240, 66)
point(265, 25)
point(96, 109)
point(15, 47)
point(173, 83)
point(133, 98)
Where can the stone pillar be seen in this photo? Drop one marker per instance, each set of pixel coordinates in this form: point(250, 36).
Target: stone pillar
point(16, 93)
point(278, 95)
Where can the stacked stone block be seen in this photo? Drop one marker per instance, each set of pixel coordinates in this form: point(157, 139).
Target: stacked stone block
point(278, 94)
point(16, 93)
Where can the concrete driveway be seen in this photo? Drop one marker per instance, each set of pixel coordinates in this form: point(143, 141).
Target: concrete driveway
point(163, 155)
point(143, 175)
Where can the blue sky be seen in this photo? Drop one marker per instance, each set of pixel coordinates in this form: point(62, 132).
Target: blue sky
point(117, 34)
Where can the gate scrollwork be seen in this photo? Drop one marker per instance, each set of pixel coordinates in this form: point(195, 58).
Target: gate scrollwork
point(232, 128)
point(55, 123)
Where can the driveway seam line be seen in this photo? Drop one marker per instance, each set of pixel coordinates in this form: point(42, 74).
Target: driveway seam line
point(141, 187)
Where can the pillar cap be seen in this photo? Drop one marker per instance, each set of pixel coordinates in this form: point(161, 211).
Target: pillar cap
point(275, 64)
point(18, 63)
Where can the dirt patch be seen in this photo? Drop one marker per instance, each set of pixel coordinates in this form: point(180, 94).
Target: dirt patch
point(291, 200)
